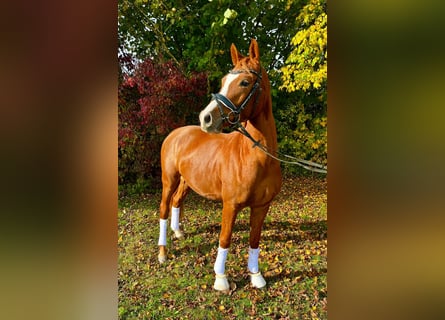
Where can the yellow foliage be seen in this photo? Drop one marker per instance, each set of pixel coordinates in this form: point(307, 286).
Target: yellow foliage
point(306, 66)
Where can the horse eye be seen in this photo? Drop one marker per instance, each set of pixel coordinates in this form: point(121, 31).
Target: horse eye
point(244, 83)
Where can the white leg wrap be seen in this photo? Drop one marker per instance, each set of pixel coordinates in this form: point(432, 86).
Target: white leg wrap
point(162, 232)
point(175, 219)
point(252, 263)
point(220, 263)
point(175, 223)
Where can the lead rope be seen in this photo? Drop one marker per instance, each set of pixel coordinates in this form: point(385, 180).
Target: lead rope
point(308, 165)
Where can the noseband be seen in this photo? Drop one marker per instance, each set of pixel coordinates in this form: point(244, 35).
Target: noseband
point(222, 100)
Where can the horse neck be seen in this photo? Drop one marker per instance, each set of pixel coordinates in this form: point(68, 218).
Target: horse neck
point(262, 127)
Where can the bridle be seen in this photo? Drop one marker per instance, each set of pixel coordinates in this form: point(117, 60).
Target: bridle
point(222, 100)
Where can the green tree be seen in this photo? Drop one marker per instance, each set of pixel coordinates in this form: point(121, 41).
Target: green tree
point(197, 34)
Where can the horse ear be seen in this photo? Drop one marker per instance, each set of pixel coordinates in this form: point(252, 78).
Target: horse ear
point(254, 51)
point(236, 56)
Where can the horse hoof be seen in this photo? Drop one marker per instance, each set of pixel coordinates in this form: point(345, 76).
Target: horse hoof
point(221, 283)
point(257, 280)
point(178, 234)
point(162, 259)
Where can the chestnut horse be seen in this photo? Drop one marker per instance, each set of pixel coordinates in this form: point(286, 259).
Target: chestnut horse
point(226, 167)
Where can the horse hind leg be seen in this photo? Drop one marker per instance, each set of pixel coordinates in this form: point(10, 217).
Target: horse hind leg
point(177, 207)
point(169, 186)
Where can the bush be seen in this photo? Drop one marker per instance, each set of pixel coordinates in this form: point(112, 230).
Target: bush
point(155, 99)
point(302, 129)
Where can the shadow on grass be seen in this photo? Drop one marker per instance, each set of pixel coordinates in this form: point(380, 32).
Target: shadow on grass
point(274, 231)
point(303, 274)
point(243, 280)
point(286, 231)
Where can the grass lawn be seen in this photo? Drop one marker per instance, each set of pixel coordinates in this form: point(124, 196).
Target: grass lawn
point(293, 259)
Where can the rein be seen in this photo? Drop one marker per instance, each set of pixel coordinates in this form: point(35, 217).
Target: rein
point(237, 126)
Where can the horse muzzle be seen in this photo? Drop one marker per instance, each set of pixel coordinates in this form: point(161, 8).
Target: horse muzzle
point(210, 119)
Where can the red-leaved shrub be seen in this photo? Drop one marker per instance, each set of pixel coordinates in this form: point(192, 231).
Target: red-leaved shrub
point(157, 98)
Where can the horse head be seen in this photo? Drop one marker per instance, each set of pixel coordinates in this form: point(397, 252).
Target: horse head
point(238, 99)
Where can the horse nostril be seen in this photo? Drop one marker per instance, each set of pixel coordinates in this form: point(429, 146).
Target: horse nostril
point(207, 118)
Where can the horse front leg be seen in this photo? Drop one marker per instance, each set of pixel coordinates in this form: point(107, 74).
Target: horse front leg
point(228, 220)
point(257, 216)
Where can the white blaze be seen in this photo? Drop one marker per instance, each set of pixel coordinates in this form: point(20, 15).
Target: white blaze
point(224, 90)
point(229, 79)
